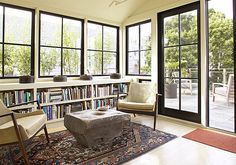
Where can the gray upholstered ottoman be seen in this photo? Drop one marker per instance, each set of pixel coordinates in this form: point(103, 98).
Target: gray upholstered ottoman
point(92, 127)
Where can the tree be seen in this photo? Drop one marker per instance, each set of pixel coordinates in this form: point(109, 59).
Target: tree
point(220, 40)
point(146, 69)
point(71, 57)
point(188, 31)
point(106, 58)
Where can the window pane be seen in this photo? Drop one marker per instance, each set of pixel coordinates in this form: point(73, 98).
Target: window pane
point(171, 62)
point(133, 66)
point(171, 30)
point(109, 63)
point(17, 26)
point(17, 60)
point(171, 93)
point(189, 95)
point(189, 61)
point(71, 62)
point(145, 36)
point(0, 59)
point(50, 30)
point(133, 38)
point(145, 62)
point(50, 61)
point(110, 38)
point(71, 33)
point(95, 62)
point(188, 24)
point(1, 23)
point(94, 36)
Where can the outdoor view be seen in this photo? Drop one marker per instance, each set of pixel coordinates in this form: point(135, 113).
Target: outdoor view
point(16, 42)
point(181, 61)
point(139, 49)
point(102, 49)
point(56, 43)
point(221, 64)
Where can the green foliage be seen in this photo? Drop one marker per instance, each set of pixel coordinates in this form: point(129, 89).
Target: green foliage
point(71, 58)
point(48, 61)
point(146, 69)
point(107, 57)
point(220, 43)
point(220, 40)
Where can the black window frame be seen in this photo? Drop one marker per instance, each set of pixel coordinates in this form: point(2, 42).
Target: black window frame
point(139, 48)
point(31, 45)
point(117, 52)
point(62, 47)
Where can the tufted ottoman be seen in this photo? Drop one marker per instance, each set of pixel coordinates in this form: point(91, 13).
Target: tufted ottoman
point(91, 127)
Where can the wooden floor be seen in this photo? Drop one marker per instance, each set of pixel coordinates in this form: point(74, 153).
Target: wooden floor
point(179, 151)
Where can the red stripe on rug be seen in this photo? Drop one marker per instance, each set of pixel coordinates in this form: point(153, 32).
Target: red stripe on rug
point(218, 140)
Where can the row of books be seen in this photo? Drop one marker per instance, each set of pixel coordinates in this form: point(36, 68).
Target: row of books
point(16, 97)
point(105, 102)
point(110, 89)
point(63, 94)
point(59, 111)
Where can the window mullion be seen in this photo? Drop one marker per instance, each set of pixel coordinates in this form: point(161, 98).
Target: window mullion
point(139, 47)
point(179, 61)
point(102, 46)
point(61, 45)
point(3, 40)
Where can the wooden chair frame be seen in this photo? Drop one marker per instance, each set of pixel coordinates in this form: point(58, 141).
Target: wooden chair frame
point(18, 134)
point(153, 113)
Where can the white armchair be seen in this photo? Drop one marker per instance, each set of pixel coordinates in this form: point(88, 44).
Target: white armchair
point(142, 99)
point(226, 90)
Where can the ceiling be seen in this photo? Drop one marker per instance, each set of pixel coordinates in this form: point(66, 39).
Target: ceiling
point(95, 8)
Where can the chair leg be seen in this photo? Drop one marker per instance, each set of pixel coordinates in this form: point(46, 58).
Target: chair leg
point(134, 115)
point(23, 150)
point(155, 117)
point(21, 144)
point(46, 133)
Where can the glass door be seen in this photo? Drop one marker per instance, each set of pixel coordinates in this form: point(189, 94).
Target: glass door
point(179, 62)
point(221, 65)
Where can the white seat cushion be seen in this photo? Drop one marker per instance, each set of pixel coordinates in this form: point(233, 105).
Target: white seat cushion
point(136, 106)
point(29, 124)
point(221, 90)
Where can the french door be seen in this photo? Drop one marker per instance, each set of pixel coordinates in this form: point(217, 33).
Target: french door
point(179, 62)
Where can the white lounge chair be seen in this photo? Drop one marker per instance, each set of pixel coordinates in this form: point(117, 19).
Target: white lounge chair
point(226, 90)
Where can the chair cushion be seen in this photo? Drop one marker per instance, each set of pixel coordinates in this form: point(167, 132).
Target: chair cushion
point(141, 93)
point(221, 90)
point(135, 106)
point(28, 125)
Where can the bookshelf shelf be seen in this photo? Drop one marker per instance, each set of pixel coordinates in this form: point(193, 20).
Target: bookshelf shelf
point(22, 107)
point(110, 96)
point(58, 98)
point(65, 102)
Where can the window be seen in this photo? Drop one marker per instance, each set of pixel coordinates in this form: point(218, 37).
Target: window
point(61, 48)
point(138, 49)
point(16, 44)
point(103, 49)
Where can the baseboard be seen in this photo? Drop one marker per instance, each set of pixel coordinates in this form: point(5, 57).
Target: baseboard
point(181, 121)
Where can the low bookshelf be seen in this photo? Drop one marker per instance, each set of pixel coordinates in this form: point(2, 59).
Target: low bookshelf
point(58, 98)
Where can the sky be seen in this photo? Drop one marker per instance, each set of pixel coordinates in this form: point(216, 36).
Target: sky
point(224, 6)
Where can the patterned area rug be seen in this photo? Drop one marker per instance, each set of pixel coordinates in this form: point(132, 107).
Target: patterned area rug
point(135, 140)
